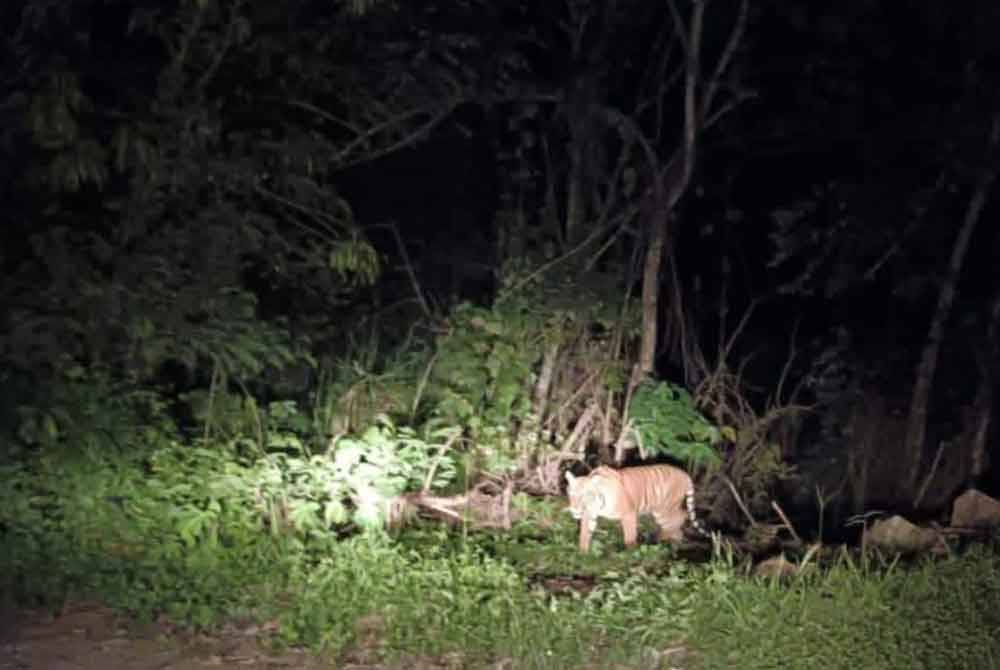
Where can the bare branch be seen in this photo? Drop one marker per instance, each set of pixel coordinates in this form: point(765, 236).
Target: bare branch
point(786, 368)
point(441, 453)
point(325, 115)
point(784, 519)
point(723, 110)
point(679, 26)
point(724, 354)
point(227, 42)
point(409, 267)
point(413, 137)
point(739, 500)
point(320, 217)
point(555, 261)
point(691, 118)
point(435, 115)
point(735, 37)
point(915, 222)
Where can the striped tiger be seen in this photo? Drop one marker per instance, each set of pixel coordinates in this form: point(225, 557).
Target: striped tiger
point(663, 491)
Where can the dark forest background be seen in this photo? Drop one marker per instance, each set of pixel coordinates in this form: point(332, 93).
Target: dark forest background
point(537, 224)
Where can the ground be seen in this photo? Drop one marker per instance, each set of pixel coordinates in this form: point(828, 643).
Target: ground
point(89, 637)
point(86, 636)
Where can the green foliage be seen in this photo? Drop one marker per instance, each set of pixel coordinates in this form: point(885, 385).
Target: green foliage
point(85, 409)
point(668, 423)
point(481, 376)
point(147, 501)
point(487, 363)
point(937, 614)
point(162, 199)
point(180, 530)
point(358, 388)
point(356, 481)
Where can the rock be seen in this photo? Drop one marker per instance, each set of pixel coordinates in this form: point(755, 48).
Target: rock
point(776, 566)
point(898, 535)
point(975, 509)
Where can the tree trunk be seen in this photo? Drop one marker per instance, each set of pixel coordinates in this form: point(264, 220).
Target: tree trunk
point(576, 210)
point(544, 383)
point(669, 185)
point(916, 428)
point(672, 184)
point(651, 294)
point(982, 407)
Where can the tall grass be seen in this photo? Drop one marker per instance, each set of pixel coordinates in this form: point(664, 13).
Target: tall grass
point(858, 614)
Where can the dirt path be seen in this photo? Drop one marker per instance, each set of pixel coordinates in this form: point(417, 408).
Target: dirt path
point(89, 637)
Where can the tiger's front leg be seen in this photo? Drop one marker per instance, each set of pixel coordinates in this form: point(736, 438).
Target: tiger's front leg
point(630, 528)
point(587, 525)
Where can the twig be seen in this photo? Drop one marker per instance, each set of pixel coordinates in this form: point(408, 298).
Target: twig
point(739, 500)
point(915, 222)
point(213, 388)
point(582, 424)
point(409, 267)
point(443, 510)
point(862, 518)
point(810, 552)
point(821, 501)
point(441, 452)
point(580, 389)
point(329, 232)
point(596, 234)
point(785, 521)
point(508, 492)
point(930, 476)
point(422, 384)
point(735, 37)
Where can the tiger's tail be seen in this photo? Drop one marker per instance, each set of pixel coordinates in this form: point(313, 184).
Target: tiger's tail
point(692, 515)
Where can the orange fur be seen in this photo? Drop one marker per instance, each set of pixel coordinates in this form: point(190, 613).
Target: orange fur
point(663, 491)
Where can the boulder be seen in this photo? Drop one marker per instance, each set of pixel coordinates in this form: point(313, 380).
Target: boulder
point(975, 509)
point(775, 567)
point(898, 535)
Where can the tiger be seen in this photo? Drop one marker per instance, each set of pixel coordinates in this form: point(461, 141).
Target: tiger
point(663, 491)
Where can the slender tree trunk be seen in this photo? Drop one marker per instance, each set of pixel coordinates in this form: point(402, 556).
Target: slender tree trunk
point(982, 406)
point(545, 382)
point(668, 187)
point(916, 428)
point(671, 180)
point(982, 417)
point(651, 294)
point(576, 211)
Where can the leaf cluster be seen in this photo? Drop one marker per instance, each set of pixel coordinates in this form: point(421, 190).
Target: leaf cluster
point(669, 424)
point(482, 371)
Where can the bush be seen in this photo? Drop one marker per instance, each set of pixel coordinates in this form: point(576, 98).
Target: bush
point(669, 424)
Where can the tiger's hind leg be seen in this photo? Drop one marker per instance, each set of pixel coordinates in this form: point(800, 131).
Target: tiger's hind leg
point(670, 524)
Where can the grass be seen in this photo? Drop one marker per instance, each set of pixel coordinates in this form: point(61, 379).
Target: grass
point(177, 542)
point(934, 614)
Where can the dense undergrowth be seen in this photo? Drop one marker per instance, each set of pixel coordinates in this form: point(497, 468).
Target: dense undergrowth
point(186, 532)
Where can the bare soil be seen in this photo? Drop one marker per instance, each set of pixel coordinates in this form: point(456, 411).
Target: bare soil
point(90, 637)
point(87, 636)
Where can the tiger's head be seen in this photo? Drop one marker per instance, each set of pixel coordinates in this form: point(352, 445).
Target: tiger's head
point(585, 497)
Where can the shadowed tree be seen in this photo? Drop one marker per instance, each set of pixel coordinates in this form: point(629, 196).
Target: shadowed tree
point(893, 236)
point(171, 166)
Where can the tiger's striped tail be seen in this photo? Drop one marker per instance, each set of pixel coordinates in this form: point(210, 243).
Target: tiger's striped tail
point(692, 515)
